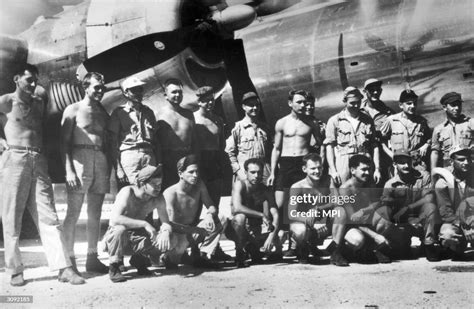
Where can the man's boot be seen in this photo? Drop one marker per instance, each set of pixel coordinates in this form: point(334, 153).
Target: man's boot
point(17, 280)
point(140, 263)
point(69, 275)
point(337, 257)
point(115, 274)
point(93, 264)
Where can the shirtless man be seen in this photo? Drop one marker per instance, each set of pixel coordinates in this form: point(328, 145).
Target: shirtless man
point(130, 233)
point(210, 138)
point(308, 232)
point(83, 145)
point(25, 182)
point(176, 129)
point(292, 141)
point(183, 203)
point(253, 203)
point(357, 219)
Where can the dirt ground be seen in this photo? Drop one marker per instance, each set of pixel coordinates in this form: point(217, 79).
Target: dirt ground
point(409, 283)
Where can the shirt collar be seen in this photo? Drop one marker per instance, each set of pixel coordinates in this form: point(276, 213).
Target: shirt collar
point(463, 117)
point(246, 122)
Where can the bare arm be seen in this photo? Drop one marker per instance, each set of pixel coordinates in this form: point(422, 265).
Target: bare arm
point(237, 204)
point(207, 201)
point(68, 124)
point(276, 152)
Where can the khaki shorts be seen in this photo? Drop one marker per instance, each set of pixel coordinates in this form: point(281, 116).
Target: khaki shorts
point(92, 169)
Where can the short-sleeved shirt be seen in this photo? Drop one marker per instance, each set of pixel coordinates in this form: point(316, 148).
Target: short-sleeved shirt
point(248, 140)
point(398, 193)
point(449, 134)
point(341, 134)
point(134, 128)
point(379, 115)
point(405, 133)
point(448, 196)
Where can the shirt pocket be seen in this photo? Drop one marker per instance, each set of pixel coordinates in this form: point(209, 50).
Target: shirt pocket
point(343, 136)
point(397, 139)
point(445, 142)
point(247, 142)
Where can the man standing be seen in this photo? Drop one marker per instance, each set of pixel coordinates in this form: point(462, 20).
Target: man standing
point(292, 142)
point(130, 233)
point(309, 231)
point(210, 138)
point(379, 112)
point(249, 138)
point(253, 204)
point(456, 130)
point(409, 200)
point(454, 195)
point(25, 182)
point(348, 133)
point(183, 203)
point(132, 129)
point(83, 146)
point(175, 131)
point(409, 131)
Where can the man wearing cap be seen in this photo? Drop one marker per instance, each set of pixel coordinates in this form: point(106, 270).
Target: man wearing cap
point(210, 138)
point(176, 131)
point(378, 111)
point(408, 199)
point(83, 149)
point(249, 138)
point(407, 130)
point(455, 197)
point(25, 183)
point(183, 203)
point(129, 233)
point(132, 129)
point(456, 130)
point(348, 133)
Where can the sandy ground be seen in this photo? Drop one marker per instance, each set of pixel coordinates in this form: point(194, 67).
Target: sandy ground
point(411, 283)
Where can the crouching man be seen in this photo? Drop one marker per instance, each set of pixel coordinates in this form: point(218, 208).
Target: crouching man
point(308, 225)
point(183, 204)
point(129, 233)
point(253, 206)
point(356, 221)
point(408, 200)
point(455, 197)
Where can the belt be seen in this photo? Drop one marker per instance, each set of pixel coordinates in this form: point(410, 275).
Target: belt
point(25, 148)
point(144, 147)
point(86, 146)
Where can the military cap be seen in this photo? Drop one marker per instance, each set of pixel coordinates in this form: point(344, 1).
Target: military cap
point(148, 172)
point(407, 95)
point(131, 82)
point(450, 97)
point(372, 81)
point(204, 92)
point(401, 153)
point(460, 150)
point(352, 92)
point(249, 95)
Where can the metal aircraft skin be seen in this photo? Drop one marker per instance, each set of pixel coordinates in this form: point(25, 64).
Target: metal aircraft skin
point(321, 46)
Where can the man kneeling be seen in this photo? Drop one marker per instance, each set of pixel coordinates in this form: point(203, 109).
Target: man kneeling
point(128, 231)
point(183, 203)
point(252, 204)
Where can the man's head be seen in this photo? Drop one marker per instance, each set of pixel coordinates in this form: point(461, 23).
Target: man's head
point(461, 159)
point(353, 98)
point(26, 78)
point(360, 167)
point(408, 102)
point(402, 161)
point(312, 166)
point(309, 105)
point(174, 91)
point(452, 104)
point(132, 89)
point(149, 179)
point(254, 170)
point(94, 86)
point(188, 169)
point(373, 89)
point(297, 101)
point(205, 97)
point(251, 104)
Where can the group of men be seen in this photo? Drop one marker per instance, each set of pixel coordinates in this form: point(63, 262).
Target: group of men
point(173, 163)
